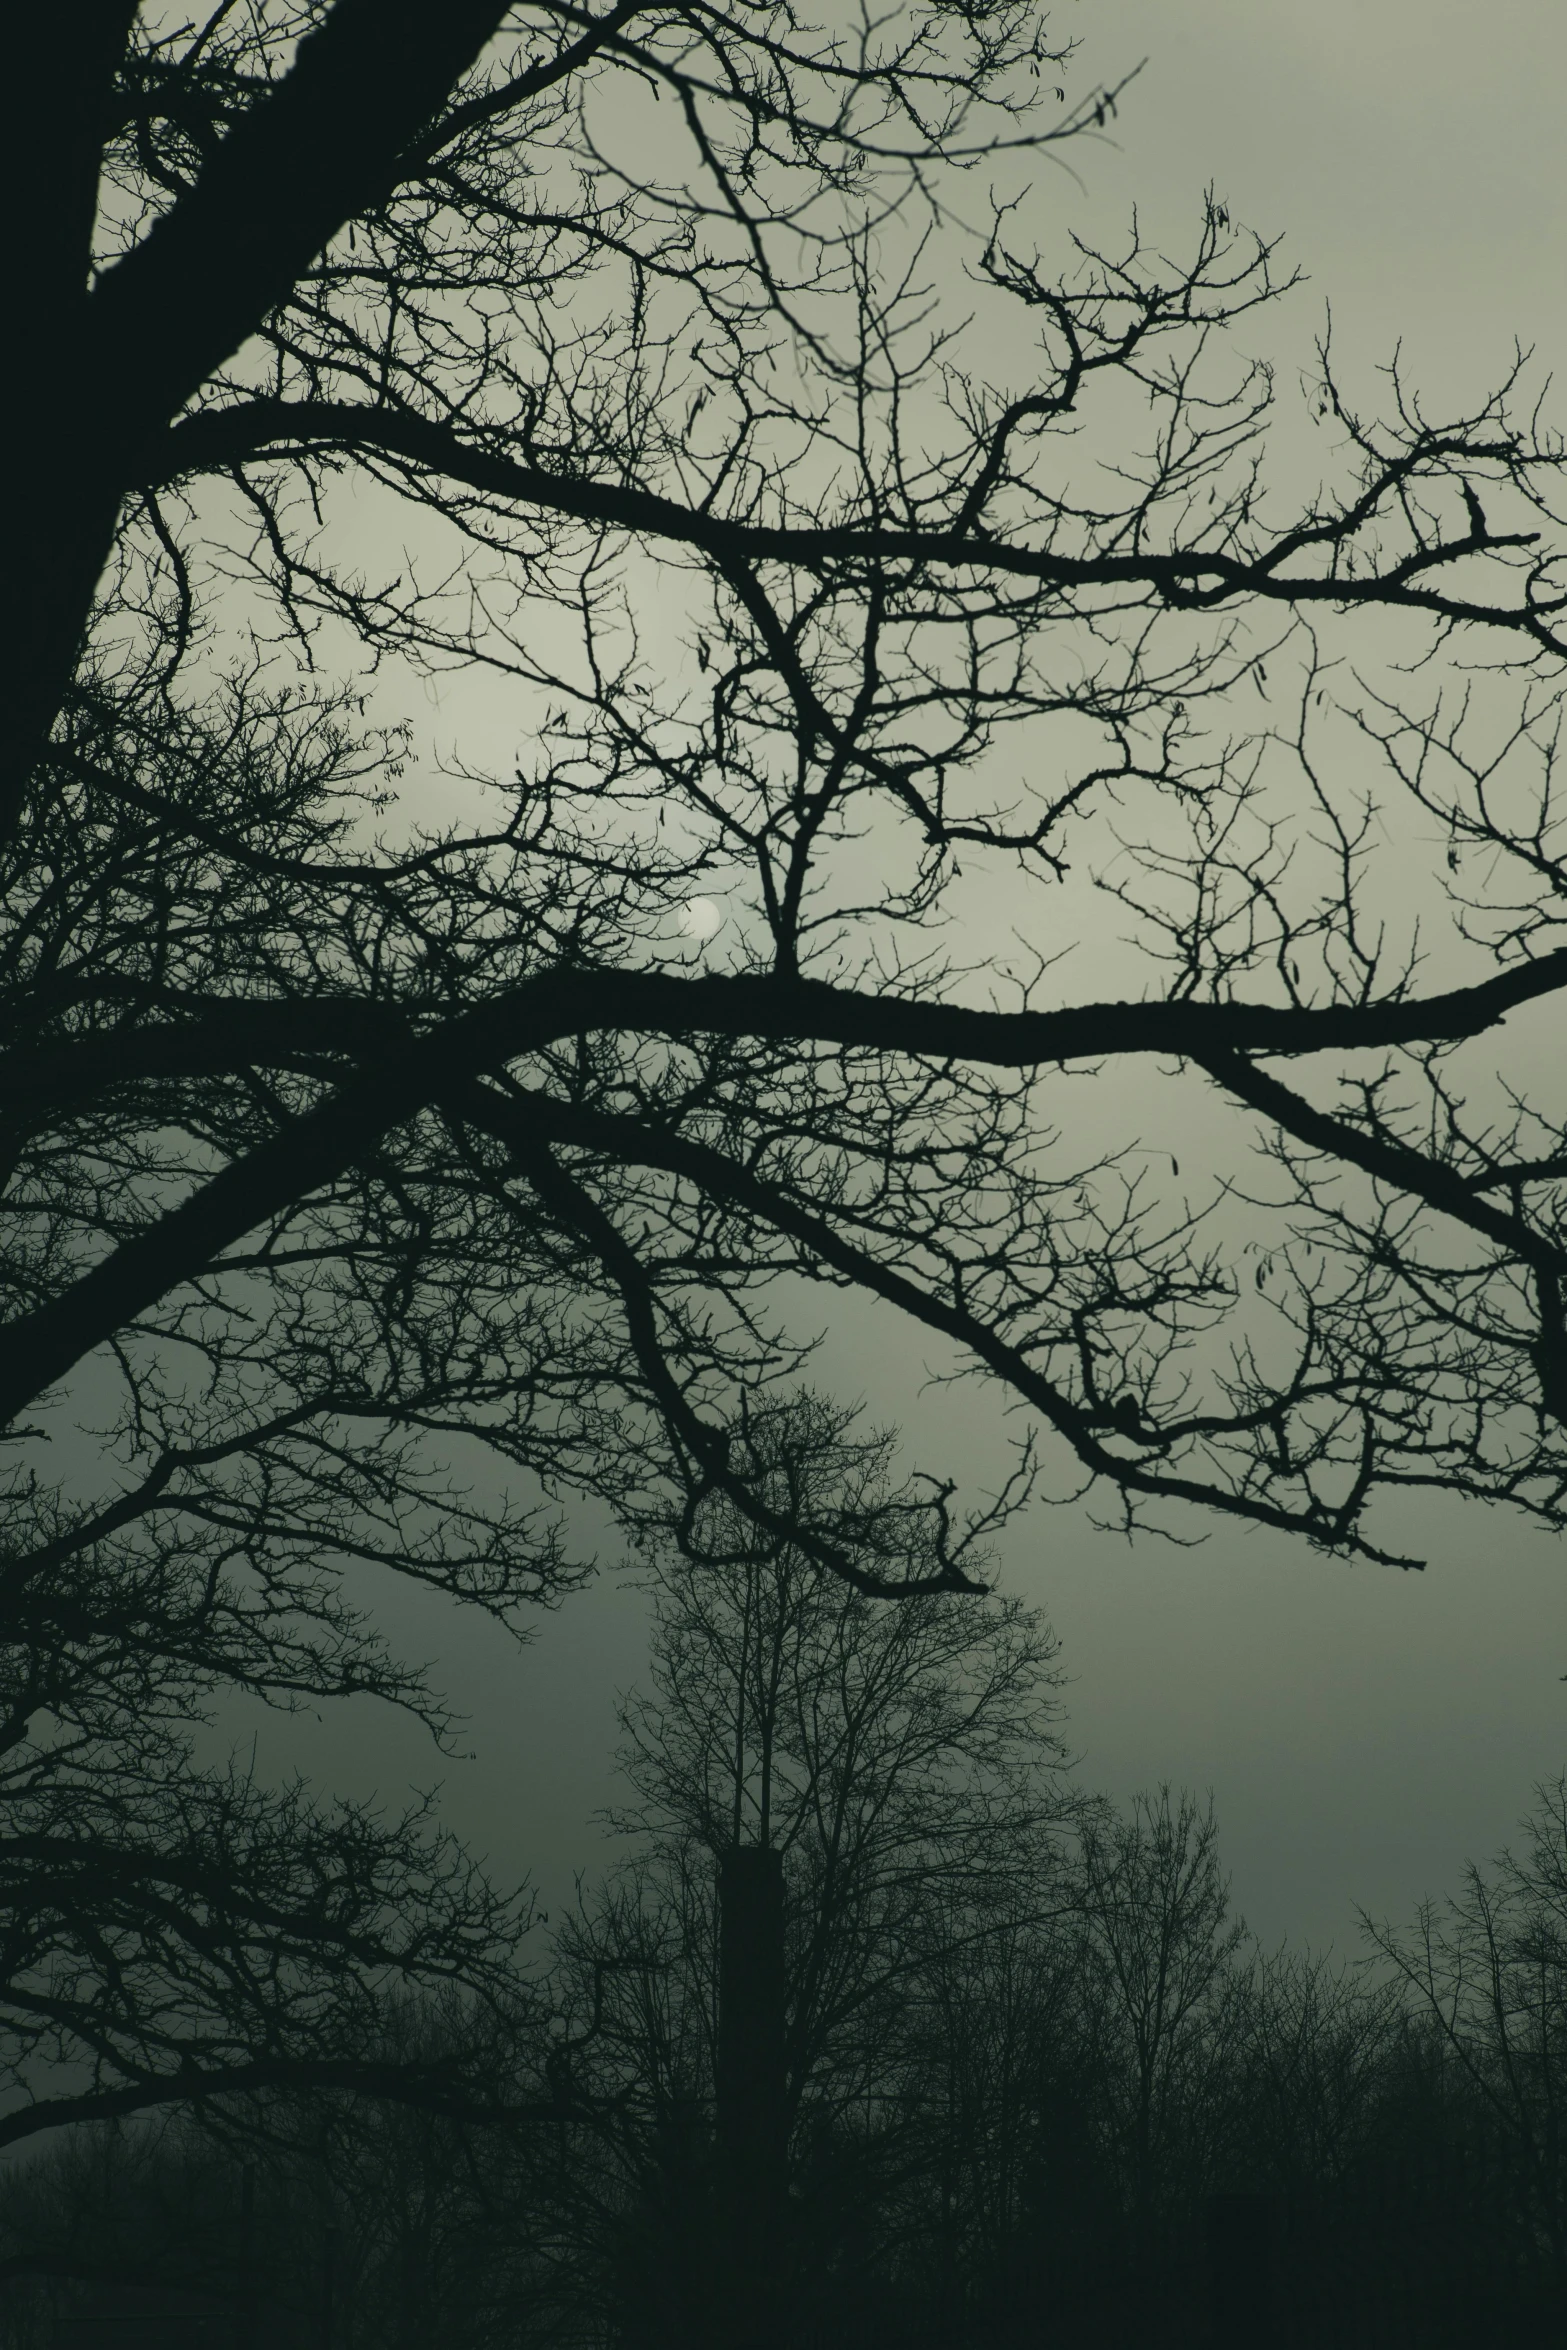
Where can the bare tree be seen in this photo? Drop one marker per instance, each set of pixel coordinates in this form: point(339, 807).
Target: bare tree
point(422, 2226)
point(1159, 1989)
point(903, 1762)
point(175, 1934)
point(299, 224)
point(894, 1758)
point(997, 2202)
point(371, 1190)
point(1314, 2048)
point(1487, 1969)
point(171, 1927)
point(883, 567)
point(1079, 2084)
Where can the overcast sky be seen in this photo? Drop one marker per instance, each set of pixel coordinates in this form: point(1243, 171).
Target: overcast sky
point(1363, 1732)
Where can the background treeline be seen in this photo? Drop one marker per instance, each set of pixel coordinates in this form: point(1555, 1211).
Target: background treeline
point(1031, 2058)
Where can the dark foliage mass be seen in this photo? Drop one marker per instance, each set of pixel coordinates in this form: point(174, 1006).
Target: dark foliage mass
point(881, 590)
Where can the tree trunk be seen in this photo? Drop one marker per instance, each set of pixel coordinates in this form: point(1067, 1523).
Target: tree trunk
point(751, 2119)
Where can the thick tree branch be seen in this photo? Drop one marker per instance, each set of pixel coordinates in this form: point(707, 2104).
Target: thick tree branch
point(1423, 1177)
point(214, 1037)
point(1390, 1162)
point(325, 145)
point(290, 173)
point(1198, 577)
point(40, 1347)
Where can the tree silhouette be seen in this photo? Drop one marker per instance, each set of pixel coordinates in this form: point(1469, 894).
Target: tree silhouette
point(902, 1765)
point(1487, 1969)
point(371, 1188)
point(1384, 2125)
point(888, 568)
point(1155, 1906)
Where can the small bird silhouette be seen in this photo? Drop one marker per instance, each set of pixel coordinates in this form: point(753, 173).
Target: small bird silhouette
point(1477, 522)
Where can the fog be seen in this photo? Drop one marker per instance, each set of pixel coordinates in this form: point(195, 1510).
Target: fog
point(1363, 1731)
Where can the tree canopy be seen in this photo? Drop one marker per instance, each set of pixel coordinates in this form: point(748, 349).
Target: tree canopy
point(939, 627)
point(892, 598)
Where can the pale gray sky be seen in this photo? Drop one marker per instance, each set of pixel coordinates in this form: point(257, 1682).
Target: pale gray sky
point(1363, 1731)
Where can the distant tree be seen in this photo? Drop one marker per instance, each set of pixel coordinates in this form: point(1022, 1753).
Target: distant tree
point(905, 1764)
point(1159, 1987)
point(1000, 2203)
point(978, 2178)
point(1487, 1971)
point(421, 2227)
point(1316, 2042)
point(1080, 2083)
